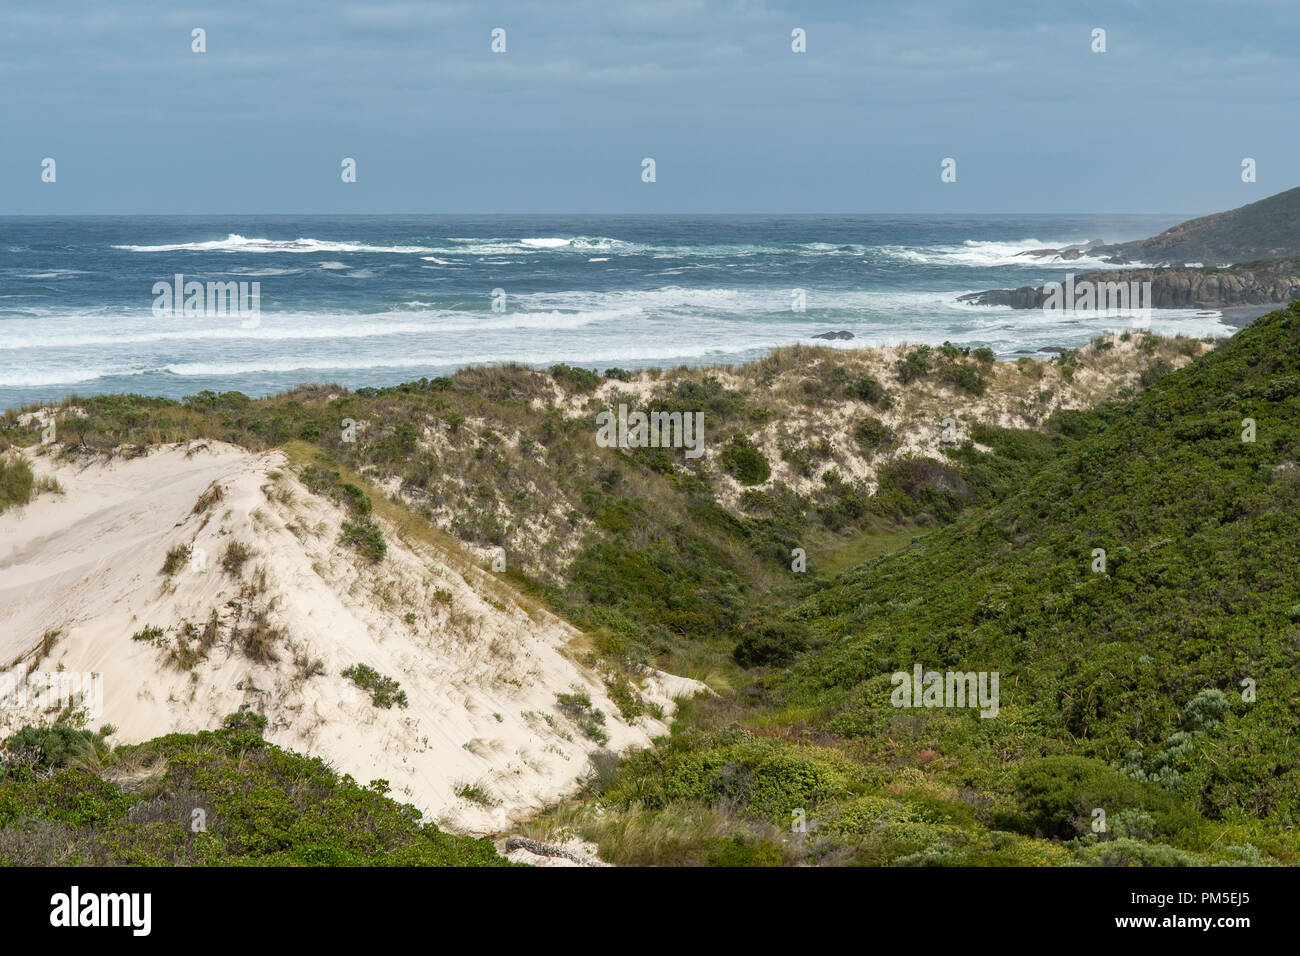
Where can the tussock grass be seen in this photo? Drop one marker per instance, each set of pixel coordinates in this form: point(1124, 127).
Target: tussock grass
point(17, 483)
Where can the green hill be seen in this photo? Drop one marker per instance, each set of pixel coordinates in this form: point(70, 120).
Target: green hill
point(1266, 229)
point(1125, 691)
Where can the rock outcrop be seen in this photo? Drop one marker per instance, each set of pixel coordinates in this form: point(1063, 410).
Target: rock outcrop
point(1251, 283)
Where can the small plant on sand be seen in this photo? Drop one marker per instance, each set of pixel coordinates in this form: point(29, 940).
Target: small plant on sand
point(207, 499)
point(475, 793)
point(384, 691)
point(366, 536)
point(176, 557)
point(590, 720)
point(16, 481)
point(233, 558)
point(151, 634)
point(625, 699)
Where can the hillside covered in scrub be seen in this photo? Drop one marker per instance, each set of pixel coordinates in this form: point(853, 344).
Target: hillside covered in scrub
point(662, 559)
point(1160, 690)
point(1265, 229)
point(218, 798)
point(856, 513)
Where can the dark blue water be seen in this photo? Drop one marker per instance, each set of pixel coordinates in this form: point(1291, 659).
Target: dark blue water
point(365, 300)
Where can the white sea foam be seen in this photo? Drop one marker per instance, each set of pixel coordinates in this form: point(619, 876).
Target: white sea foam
point(971, 253)
point(238, 243)
point(14, 377)
point(977, 253)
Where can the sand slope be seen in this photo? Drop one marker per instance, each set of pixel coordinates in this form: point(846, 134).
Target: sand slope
point(480, 670)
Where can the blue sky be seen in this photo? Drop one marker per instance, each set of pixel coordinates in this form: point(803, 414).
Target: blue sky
point(710, 89)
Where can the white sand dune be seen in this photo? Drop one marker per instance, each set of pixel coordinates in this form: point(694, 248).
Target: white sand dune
point(480, 668)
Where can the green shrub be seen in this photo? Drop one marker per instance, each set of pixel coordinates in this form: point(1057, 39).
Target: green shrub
point(58, 745)
point(575, 379)
point(1205, 711)
point(590, 720)
point(742, 460)
point(1154, 372)
point(352, 497)
point(964, 377)
point(367, 537)
point(384, 691)
point(872, 435)
point(245, 721)
point(1056, 797)
point(913, 365)
point(1280, 388)
point(265, 807)
point(771, 644)
point(735, 851)
point(867, 389)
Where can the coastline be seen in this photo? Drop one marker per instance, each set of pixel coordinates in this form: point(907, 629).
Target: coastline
point(1243, 315)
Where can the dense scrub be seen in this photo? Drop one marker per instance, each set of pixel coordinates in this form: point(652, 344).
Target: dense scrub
point(1153, 693)
point(223, 798)
point(1121, 689)
point(637, 544)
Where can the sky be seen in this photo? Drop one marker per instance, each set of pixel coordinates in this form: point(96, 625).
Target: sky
point(735, 120)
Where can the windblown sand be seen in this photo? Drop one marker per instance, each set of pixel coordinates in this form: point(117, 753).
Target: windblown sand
point(480, 672)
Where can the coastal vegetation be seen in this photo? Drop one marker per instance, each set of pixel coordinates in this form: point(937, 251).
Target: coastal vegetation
point(1123, 690)
point(217, 798)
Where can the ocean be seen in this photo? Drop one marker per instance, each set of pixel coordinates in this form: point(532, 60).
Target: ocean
point(378, 300)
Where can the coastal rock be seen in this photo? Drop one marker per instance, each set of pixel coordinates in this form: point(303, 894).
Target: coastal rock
point(834, 335)
point(1068, 253)
point(1272, 281)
